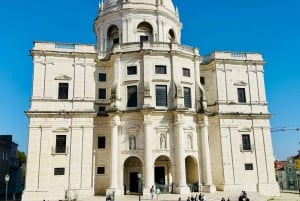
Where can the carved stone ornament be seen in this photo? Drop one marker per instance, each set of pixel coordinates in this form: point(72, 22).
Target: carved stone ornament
point(245, 129)
point(61, 129)
point(63, 77)
point(240, 83)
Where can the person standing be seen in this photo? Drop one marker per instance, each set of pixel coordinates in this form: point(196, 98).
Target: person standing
point(157, 193)
point(152, 192)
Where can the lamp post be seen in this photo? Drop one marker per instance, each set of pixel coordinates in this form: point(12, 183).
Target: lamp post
point(139, 175)
point(6, 179)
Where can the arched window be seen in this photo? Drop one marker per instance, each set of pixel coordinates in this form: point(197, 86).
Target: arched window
point(145, 31)
point(112, 36)
point(171, 36)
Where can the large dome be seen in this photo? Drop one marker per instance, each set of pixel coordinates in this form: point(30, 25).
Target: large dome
point(166, 3)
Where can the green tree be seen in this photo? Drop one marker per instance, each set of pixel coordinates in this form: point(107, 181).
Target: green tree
point(21, 156)
point(22, 161)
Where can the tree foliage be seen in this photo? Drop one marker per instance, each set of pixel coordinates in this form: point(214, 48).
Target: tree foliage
point(21, 156)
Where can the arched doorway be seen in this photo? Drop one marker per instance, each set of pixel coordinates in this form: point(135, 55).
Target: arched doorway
point(112, 36)
point(192, 176)
point(132, 166)
point(145, 31)
point(163, 174)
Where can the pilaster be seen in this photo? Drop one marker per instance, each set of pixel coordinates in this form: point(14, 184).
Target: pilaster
point(207, 176)
point(180, 176)
point(115, 122)
point(149, 167)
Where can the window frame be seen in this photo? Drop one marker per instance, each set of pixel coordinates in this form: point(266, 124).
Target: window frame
point(63, 91)
point(101, 144)
point(116, 41)
point(132, 96)
point(161, 69)
point(102, 93)
point(102, 77)
point(144, 38)
point(161, 102)
point(60, 171)
point(202, 80)
point(248, 166)
point(187, 97)
point(186, 72)
point(60, 144)
point(246, 142)
point(100, 170)
point(131, 68)
point(241, 93)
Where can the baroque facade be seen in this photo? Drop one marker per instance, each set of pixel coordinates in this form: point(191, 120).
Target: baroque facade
point(140, 102)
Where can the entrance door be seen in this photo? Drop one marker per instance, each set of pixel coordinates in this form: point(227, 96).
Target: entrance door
point(133, 182)
point(160, 175)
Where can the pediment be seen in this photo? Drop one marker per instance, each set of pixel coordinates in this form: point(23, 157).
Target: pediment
point(245, 129)
point(240, 83)
point(162, 128)
point(63, 77)
point(61, 129)
point(189, 128)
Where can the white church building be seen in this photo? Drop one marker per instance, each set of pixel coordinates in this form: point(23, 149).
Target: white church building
point(141, 103)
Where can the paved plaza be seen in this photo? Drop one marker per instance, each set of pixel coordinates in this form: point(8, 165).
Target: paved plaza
point(286, 197)
point(233, 196)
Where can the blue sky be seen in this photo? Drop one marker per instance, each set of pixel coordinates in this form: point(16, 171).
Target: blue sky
point(270, 27)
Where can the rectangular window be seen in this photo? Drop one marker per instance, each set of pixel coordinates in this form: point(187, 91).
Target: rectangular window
point(202, 80)
point(100, 170)
point(116, 41)
point(101, 109)
point(101, 142)
point(246, 142)
point(289, 170)
point(186, 72)
point(144, 38)
point(63, 90)
point(161, 95)
point(102, 77)
point(102, 93)
point(159, 69)
point(131, 70)
point(241, 95)
point(187, 97)
point(60, 144)
point(59, 171)
point(248, 166)
point(131, 96)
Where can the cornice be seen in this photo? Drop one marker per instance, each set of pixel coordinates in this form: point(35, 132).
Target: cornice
point(65, 114)
point(240, 115)
point(60, 53)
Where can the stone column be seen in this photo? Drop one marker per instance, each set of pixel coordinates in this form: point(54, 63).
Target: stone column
point(180, 182)
point(149, 169)
point(114, 154)
point(208, 186)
